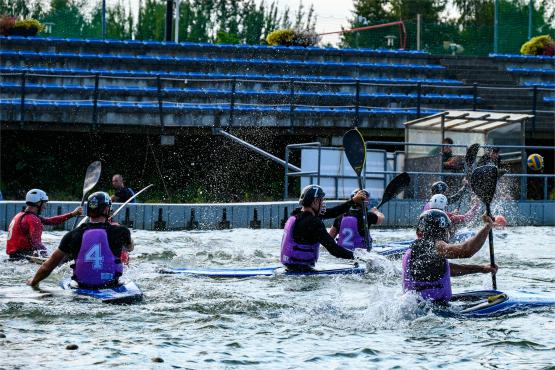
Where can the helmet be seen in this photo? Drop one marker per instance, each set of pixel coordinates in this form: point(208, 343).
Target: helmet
point(310, 193)
point(438, 201)
point(35, 196)
point(434, 224)
point(97, 203)
point(439, 187)
point(353, 193)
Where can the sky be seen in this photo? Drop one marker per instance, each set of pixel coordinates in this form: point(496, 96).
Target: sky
point(331, 15)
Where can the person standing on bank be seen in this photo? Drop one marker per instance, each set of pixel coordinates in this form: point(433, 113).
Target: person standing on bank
point(25, 230)
point(122, 193)
point(349, 228)
point(304, 230)
point(95, 247)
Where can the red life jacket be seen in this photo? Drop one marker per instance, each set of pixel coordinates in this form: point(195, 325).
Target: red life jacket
point(18, 239)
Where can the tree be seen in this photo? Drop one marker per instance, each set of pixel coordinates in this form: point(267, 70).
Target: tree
point(66, 17)
point(150, 25)
point(22, 8)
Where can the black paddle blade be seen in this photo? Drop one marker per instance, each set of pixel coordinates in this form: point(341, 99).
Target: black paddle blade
point(471, 154)
point(397, 185)
point(92, 176)
point(484, 182)
point(355, 149)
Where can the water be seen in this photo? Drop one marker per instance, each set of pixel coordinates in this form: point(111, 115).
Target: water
point(274, 322)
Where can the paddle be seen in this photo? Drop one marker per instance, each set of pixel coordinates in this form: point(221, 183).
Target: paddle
point(120, 207)
point(397, 185)
point(355, 151)
point(484, 183)
point(91, 178)
point(469, 160)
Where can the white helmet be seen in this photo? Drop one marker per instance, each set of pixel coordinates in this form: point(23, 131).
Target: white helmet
point(438, 201)
point(34, 196)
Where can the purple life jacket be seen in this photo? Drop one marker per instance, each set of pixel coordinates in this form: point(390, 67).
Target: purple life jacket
point(427, 206)
point(349, 237)
point(294, 253)
point(438, 290)
point(96, 266)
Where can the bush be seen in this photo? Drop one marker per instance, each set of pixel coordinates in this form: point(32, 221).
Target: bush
point(7, 22)
point(540, 45)
point(290, 37)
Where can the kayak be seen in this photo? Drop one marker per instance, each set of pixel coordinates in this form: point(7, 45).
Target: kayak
point(128, 292)
point(495, 302)
point(260, 271)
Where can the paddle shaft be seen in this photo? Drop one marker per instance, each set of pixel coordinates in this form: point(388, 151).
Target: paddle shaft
point(365, 218)
point(491, 251)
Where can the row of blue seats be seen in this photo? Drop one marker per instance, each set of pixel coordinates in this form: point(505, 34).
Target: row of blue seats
point(220, 61)
point(531, 70)
point(223, 76)
point(523, 57)
point(15, 103)
point(227, 92)
point(540, 84)
point(549, 99)
point(189, 45)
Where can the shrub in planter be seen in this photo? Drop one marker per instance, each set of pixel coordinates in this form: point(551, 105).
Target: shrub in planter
point(540, 45)
point(290, 37)
point(26, 27)
point(6, 24)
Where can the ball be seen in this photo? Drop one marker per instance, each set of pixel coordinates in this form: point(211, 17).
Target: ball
point(500, 221)
point(535, 162)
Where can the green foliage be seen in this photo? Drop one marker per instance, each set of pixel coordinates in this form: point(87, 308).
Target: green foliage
point(537, 45)
point(289, 37)
point(226, 38)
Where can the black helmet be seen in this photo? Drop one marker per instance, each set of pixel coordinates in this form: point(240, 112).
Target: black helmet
point(99, 204)
point(354, 192)
point(310, 193)
point(439, 187)
point(434, 224)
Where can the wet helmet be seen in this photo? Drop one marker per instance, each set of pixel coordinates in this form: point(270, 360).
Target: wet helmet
point(439, 187)
point(99, 204)
point(310, 193)
point(35, 196)
point(438, 201)
point(434, 224)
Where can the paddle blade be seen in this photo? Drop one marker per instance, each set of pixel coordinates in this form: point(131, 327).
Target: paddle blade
point(92, 176)
point(484, 182)
point(355, 150)
point(396, 186)
point(470, 156)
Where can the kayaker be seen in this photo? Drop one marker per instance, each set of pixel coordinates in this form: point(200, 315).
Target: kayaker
point(440, 187)
point(25, 230)
point(349, 227)
point(304, 231)
point(439, 201)
point(93, 246)
point(426, 268)
point(122, 193)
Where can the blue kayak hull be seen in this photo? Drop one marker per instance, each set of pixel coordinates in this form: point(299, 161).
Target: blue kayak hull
point(128, 292)
point(399, 247)
point(495, 302)
point(259, 271)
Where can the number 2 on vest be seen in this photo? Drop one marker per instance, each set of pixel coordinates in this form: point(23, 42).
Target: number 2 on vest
point(94, 256)
point(348, 237)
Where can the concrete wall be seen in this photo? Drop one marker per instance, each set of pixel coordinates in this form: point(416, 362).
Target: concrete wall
point(401, 213)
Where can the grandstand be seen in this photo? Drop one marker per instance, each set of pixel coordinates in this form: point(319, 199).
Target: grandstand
point(131, 85)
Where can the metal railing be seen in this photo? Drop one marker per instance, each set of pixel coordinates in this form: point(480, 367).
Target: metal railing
point(291, 97)
point(418, 177)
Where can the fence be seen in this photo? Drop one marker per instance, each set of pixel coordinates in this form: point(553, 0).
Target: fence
point(419, 178)
point(290, 97)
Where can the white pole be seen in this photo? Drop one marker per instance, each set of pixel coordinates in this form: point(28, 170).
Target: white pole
point(177, 3)
point(418, 34)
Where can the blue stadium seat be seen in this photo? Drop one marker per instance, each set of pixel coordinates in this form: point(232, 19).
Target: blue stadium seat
point(531, 70)
point(518, 57)
point(549, 99)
